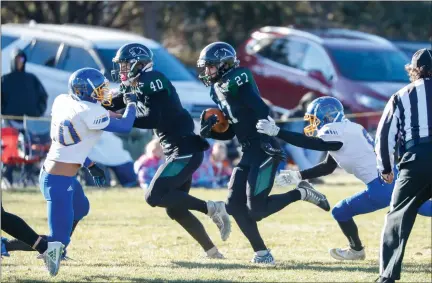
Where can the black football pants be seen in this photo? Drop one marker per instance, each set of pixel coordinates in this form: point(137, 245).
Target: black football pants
point(249, 188)
point(413, 188)
point(170, 189)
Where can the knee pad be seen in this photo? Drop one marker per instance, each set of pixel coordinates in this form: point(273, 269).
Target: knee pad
point(341, 211)
point(176, 213)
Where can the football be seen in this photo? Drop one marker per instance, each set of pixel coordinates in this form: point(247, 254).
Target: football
point(222, 124)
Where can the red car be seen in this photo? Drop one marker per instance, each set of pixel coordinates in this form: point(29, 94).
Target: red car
point(361, 70)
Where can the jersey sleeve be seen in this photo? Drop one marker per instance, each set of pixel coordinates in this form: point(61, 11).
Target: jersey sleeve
point(96, 117)
point(242, 84)
point(329, 133)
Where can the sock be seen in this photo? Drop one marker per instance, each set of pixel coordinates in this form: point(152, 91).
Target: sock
point(262, 253)
point(175, 198)
point(17, 245)
point(349, 228)
point(249, 228)
point(19, 229)
point(276, 203)
point(302, 192)
point(193, 226)
point(42, 246)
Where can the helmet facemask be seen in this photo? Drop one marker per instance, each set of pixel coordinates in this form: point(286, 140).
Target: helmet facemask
point(102, 93)
point(127, 71)
point(222, 68)
point(311, 129)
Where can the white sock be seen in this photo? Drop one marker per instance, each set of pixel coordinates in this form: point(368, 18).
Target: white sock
point(211, 208)
point(302, 193)
point(262, 253)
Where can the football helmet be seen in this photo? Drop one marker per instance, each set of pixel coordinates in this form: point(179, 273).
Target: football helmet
point(131, 59)
point(322, 111)
point(89, 84)
point(220, 55)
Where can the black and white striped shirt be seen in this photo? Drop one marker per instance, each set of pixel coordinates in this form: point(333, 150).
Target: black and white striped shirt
point(407, 116)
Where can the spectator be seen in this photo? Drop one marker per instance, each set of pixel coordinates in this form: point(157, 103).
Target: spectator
point(221, 165)
point(204, 176)
point(146, 166)
point(22, 93)
point(303, 158)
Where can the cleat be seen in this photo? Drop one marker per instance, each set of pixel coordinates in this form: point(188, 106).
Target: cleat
point(52, 257)
point(214, 253)
point(266, 260)
point(309, 194)
point(217, 212)
point(4, 252)
point(347, 254)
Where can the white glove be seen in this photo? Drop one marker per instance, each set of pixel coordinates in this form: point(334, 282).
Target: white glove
point(288, 177)
point(267, 127)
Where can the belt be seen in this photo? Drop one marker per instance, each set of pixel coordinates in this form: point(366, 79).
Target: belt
point(411, 143)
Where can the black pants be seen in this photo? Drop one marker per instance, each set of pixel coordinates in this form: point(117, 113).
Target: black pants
point(170, 189)
point(413, 187)
point(249, 188)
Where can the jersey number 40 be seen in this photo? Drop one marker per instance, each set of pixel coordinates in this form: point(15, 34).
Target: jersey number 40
point(65, 128)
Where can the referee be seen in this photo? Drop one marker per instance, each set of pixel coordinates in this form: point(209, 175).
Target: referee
point(407, 118)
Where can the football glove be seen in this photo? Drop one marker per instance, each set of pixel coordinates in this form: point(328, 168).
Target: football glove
point(98, 175)
point(129, 97)
point(288, 177)
point(267, 127)
point(272, 151)
point(207, 125)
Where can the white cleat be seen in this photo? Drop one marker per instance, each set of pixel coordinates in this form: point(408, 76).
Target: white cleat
point(214, 253)
point(265, 260)
point(347, 254)
point(217, 212)
point(52, 257)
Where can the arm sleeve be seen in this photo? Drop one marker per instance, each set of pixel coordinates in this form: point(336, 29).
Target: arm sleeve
point(123, 124)
point(303, 141)
point(386, 136)
point(322, 169)
point(227, 135)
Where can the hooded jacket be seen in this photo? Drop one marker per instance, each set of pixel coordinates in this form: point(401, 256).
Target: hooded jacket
point(22, 93)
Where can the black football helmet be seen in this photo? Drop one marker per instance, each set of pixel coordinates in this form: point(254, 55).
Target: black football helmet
point(219, 54)
point(131, 59)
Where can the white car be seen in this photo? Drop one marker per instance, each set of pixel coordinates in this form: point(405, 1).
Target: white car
point(54, 52)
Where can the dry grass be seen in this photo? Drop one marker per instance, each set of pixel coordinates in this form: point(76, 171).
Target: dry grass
point(125, 240)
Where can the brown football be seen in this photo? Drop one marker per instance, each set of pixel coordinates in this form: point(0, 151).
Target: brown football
point(222, 124)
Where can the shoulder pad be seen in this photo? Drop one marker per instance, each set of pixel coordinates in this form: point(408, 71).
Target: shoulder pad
point(153, 82)
point(238, 78)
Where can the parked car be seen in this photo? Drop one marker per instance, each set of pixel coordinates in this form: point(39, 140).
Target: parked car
point(54, 52)
point(361, 70)
point(410, 47)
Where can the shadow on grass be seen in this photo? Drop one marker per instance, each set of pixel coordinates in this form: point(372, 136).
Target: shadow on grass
point(106, 278)
point(314, 265)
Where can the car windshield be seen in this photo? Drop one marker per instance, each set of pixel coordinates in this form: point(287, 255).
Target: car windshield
point(371, 65)
point(165, 63)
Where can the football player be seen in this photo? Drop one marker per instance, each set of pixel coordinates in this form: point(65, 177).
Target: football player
point(235, 92)
point(49, 251)
point(78, 120)
point(352, 148)
point(159, 108)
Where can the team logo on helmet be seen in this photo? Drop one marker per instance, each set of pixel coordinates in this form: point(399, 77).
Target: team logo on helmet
point(223, 53)
point(138, 51)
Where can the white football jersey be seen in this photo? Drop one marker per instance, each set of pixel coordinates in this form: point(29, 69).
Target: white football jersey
point(357, 155)
point(75, 128)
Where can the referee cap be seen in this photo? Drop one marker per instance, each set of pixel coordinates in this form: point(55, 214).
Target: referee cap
point(422, 57)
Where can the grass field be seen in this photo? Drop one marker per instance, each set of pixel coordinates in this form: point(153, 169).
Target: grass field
point(125, 240)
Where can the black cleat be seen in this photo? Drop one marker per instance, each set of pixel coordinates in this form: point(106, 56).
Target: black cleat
point(309, 194)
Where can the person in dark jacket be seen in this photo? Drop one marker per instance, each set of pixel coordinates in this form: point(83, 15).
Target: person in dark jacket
point(19, 86)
